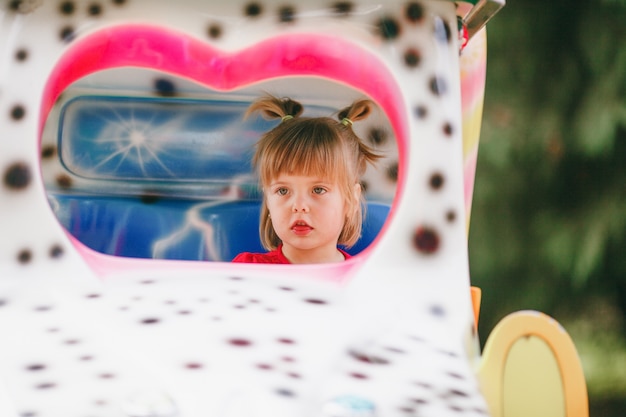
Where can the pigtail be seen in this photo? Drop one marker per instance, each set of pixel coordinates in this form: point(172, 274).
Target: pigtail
point(359, 110)
point(272, 107)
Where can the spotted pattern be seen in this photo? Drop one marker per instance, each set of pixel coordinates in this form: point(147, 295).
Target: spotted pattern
point(426, 240)
point(264, 343)
point(407, 367)
point(17, 176)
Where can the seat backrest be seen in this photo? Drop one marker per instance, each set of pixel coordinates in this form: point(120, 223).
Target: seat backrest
point(177, 229)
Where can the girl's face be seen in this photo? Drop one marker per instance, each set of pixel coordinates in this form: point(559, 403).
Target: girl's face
point(308, 214)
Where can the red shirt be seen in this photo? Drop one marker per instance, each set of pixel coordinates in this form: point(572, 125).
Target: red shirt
point(274, 257)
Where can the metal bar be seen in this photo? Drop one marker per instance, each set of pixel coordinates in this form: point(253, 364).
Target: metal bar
point(480, 14)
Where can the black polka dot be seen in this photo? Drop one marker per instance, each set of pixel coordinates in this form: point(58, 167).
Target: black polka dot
point(94, 9)
point(343, 7)
point(119, 2)
point(388, 28)
point(442, 30)
point(64, 181)
point(438, 86)
point(451, 216)
point(67, 34)
point(316, 301)
point(447, 129)
point(253, 10)
point(240, 342)
point(421, 112)
point(23, 6)
point(426, 240)
point(45, 386)
point(24, 256)
point(437, 310)
point(18, 112)
point(3, 302)
point(358, 375)
point(194, 366)
point(448, 353)
point(436, 181)
point(284, 392)
point(17, 176)
point(56, 251)
point(367, 358)
point(457, 393)
point(164, 88)
point(14, 5)
point(21, 55)
point(93, 296)
point(214, 31)
point(67, 7)
point(412, 58)
point(287, 14)
point(378, 136)
point(106, 375)
point(392, 172)
point(422, 384)
point(36, 367)
point(414, 12)
point(150, 320)
point(364, 186)
point(28, 414)
point(286, 341)
point(48, 151)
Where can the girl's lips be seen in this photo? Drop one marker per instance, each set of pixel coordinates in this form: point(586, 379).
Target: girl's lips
point(301, 228)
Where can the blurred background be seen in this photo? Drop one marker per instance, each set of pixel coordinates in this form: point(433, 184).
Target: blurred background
point(548, 226)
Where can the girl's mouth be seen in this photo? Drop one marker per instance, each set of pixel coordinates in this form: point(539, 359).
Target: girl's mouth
point(301, 228)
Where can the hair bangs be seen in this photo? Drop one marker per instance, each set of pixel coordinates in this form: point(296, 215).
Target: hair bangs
point(309, 149)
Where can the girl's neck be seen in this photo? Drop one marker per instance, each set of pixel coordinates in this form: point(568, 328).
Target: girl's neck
point(312, 256)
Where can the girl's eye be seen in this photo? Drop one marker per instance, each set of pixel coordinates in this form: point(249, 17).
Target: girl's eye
point(319, 190)
point(281, 191)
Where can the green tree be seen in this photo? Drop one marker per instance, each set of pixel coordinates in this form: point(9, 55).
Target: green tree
point(548, 228)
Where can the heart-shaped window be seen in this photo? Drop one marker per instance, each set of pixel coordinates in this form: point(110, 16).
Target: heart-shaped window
point(153, 152)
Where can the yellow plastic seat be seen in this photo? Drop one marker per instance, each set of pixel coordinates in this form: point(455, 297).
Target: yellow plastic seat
point(530, 367)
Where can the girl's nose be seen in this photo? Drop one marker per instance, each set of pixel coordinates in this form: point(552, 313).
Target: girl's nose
point(300, 205)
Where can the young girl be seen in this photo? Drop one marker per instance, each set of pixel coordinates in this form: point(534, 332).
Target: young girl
point(309, 169)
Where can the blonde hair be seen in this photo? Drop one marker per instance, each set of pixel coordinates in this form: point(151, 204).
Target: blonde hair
point(319, 146)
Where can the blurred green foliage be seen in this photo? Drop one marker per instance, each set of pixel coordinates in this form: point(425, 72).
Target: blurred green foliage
point(548, 228)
